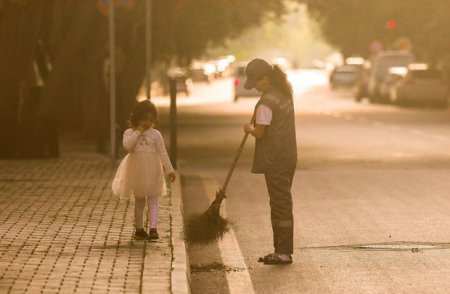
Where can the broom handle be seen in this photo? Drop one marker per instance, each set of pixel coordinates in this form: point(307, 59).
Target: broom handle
point(233, 165)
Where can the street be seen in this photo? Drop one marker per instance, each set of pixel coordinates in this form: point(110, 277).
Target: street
point(84, 84)
point(370, 194)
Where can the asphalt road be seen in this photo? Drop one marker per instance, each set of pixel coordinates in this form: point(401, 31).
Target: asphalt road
point(371, 194)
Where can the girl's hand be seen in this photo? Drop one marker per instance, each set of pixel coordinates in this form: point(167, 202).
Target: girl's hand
point(140, 128)
point(248, 128)
point(172, 177)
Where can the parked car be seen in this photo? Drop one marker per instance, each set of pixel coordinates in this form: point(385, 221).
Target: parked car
point(421, 85)
point(345, 76)
point(379, 69)
point(394, 74)
point(239, 79)
point(199, 74)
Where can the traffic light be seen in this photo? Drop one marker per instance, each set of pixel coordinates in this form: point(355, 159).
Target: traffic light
point(391, 24)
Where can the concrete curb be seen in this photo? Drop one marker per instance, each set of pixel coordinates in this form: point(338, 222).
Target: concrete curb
point(180, 275)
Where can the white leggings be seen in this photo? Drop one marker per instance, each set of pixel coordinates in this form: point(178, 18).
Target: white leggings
point(153, 208)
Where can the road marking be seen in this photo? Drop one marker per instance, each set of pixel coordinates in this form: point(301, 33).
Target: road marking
point(238, 281)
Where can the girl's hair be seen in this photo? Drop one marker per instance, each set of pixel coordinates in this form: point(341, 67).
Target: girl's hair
point(141, 111)
point(278, 79)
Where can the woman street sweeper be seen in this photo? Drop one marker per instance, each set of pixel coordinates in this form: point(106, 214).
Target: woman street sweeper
point(275, 156)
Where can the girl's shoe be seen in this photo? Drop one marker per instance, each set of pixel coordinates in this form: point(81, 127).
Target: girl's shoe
point(140, 234)
point(153, 235)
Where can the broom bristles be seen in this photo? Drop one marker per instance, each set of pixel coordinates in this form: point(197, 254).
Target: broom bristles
point(209, 226)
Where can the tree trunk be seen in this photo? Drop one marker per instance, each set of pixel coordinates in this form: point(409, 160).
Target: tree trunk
point(51, 108)
point(19, 31)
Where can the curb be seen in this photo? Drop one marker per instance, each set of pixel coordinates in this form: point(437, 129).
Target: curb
point(180, 261)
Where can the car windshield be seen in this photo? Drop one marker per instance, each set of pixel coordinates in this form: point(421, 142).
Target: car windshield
point(426, 74)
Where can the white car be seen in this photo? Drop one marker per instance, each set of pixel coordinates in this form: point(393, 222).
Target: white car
point(239, 79)
point(421, 85)
point(380, 65)
point(345, 76)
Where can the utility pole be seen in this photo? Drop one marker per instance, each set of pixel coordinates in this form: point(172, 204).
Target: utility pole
point(173, 121)
point(148, 47)
point(112, 80)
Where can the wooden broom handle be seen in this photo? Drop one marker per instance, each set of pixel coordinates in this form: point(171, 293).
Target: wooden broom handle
point(233, 165)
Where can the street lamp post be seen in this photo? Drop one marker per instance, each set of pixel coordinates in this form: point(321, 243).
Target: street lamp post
point(148, 47)
point(173, 121)
point(112, 80)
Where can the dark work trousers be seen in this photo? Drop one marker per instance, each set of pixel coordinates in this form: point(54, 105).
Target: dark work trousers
point(279, 186)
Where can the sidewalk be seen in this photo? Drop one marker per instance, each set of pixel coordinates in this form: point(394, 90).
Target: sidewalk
point(63, 231)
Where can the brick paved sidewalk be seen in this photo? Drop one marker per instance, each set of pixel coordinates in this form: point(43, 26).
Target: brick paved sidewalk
point(62, 231)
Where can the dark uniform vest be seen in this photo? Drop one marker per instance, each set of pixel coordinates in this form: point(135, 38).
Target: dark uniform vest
point(276, 150)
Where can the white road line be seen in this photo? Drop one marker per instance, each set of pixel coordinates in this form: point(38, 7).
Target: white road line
point(239, 280)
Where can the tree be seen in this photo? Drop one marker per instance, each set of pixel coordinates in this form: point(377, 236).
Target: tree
point(67, 88)
point(428, 26)
point(352, 25)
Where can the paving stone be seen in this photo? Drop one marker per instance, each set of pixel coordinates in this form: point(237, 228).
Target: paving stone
point(62, 231)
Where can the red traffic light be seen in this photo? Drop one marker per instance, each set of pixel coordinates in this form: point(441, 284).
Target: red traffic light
point(391, 24)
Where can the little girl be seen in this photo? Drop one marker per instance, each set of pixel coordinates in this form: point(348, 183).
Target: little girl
point(140, 174)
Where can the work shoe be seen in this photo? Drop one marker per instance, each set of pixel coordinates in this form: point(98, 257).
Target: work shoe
point(267, 257)
point(140, 234)
point(276, 259)
point(153, 235)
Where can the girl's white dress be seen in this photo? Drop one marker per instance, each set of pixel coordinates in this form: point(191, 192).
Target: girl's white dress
point(140, 174)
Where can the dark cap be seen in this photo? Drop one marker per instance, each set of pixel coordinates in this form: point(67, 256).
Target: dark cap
point(256, 70)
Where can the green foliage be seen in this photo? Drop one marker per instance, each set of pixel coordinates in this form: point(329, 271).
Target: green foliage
point(193, 25)
point(295, 36)
point(427, 24)
point(352, 25)
point(73, 38)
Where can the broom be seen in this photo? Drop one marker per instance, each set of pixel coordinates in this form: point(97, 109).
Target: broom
point(209, 226)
